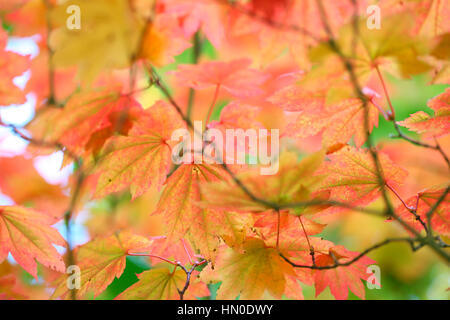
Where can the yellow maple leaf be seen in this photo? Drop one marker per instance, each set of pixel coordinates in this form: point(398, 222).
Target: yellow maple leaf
point(252, 273)
point(108, 37)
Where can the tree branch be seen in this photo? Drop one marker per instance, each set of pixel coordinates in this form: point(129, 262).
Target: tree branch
point(359, 256)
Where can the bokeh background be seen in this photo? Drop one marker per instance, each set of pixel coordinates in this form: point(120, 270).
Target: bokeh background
point(404, 274)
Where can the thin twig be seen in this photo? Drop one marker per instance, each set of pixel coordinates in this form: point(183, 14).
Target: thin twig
point(347, 263)
point(188, 277)
point(197, 50)
point(51, 100)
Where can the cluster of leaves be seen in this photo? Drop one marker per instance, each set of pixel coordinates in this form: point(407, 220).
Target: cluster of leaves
point(109, 97)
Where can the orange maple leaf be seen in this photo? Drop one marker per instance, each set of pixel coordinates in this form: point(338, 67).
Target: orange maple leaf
point(234, 76)
point(338, 122)
point(341, 279)
point(88, 119)
point(162, 282)
point(28, 236)
point(422, 204)
point(101, 261)
point(351, 176)
point(29, 18)
point(147, 146)
point(250, 273)
point(206, 15)
point(12, 65)
point(8, 290)
point(437, 19)
point(25, 186)
point(161, 41)
point(436, 126)
point(179, 205)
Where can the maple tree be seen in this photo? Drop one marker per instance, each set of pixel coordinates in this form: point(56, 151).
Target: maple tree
point(110, 94)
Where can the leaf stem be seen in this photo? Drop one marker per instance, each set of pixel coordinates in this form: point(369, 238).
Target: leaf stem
point(278, 227)
point(213, 103)
point(187, 252)
point(51, 100)
point(385, 115)
point(311, 249)
point(197, 50)
point(151, 256)
point(386, 93)
point(399, 198)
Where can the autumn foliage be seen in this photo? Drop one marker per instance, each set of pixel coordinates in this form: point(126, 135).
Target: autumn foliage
point(109, 95)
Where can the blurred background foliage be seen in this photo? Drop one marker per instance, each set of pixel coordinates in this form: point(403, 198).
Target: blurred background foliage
point(404, 274)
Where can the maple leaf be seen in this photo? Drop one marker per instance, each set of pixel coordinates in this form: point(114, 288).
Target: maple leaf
point(268, 8)
point(234, 76)
point(293, 80)
point(337, 122)
point(272, 23)
point(322, 102)
point(108, 37)
point(250, 274)
point(162, 282)
point(88, 119)
point(179, 205)
point(437, 18)
point(159, 283)
point(440, 57)
point(206, 15)
point(28, 236)
point(204, 233)
point(425, 200)
point(388, 48)
point(12, 65)
point(292, 235)
point(351, 176)
point(180, 251)
point(159, 44)
point(435, 126)
point(233, 228)
point(208, 228)
point(25, 186)
point(30, 18)
point(211, 225)
point(101, 261)
point(424, 168)
point(8, 5)
point(293, 289)
point(311, 91)
point(147, 146)
point(341, 279)
point(238, 116)
point(14, 286)
point(430, 15)
point(8, 290)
